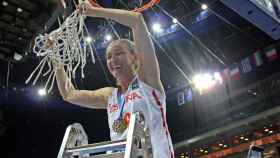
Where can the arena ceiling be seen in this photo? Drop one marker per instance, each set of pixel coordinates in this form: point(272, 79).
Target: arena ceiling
point(224, 33)
point(20, 21)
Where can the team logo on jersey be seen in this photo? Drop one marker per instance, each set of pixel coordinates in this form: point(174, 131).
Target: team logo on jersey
point(128, 98)
point(135, 84)
point(113, 108)
point(132, 96)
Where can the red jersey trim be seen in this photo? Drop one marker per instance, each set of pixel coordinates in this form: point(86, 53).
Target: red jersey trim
point(164, 124)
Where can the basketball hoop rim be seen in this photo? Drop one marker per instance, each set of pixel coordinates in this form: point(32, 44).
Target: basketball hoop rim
point(141, 9)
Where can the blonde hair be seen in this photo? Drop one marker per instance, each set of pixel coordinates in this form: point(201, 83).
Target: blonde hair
point(131, 47)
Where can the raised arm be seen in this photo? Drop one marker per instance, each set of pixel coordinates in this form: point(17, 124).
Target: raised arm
point(96, 99)
point(149, 68)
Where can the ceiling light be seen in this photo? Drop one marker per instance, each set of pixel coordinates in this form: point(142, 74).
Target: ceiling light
point(157, 28)
point(220, 144)
point(241, 137)
point(266, 130)
point(174, 20)
point(4, 3)
point(42, 92)
point(17, 56)
point(19, 10)
point(88, 39)
point(246, 139)
point(203, 81)
point(271, 132)
point(204, 6)
point(225, 146)
point(108, 37)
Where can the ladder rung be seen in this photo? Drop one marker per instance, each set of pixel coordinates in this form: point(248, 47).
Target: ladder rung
point(98, 147)
point(137, 143)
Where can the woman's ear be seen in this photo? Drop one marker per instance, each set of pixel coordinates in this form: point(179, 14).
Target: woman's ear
point(136, 64)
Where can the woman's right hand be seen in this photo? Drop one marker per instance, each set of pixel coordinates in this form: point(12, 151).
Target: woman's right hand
point(86, 8)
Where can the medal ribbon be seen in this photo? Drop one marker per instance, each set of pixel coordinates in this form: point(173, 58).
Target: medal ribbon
point(121, 98)
point(121, 102)
point(120, 124)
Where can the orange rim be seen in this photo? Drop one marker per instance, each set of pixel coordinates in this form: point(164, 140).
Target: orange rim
point(141, 9)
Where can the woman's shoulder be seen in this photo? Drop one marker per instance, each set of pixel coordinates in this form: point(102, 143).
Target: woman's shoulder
point(151, 88)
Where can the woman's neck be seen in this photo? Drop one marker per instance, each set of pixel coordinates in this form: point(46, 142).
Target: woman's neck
point(124, 83)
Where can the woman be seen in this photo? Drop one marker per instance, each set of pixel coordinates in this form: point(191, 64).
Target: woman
point(135, 67)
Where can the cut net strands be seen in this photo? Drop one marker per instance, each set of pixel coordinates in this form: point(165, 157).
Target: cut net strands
point(64, 46)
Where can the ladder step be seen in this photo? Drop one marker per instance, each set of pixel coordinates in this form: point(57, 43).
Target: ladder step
point(113, 155)
point(137, 145)
point(98, 147)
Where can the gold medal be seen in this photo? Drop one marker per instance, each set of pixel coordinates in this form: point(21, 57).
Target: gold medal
point(119, 126)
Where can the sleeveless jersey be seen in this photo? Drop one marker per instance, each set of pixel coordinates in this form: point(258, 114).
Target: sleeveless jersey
point(152, 103)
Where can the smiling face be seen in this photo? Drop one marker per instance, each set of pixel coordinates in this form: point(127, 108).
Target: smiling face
point(121, 58)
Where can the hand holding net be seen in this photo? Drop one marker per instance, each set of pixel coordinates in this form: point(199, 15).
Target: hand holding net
point(64, 46)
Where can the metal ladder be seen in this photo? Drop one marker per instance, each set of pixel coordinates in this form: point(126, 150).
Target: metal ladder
point(255, 152)
point(137, 145)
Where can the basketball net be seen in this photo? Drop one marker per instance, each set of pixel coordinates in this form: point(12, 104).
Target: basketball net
point(67, 46)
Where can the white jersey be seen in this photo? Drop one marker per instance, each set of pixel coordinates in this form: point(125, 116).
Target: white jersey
point(152, 103)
